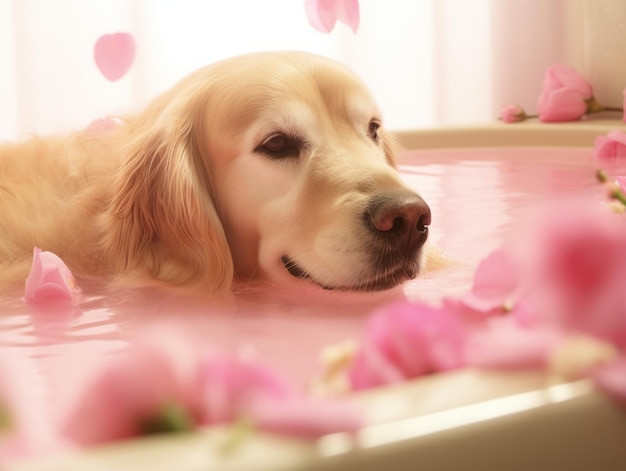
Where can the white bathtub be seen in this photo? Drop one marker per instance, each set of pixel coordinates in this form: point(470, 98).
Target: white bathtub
point(467, 420)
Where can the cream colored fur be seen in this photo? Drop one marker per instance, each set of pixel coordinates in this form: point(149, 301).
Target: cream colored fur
point(180, 195)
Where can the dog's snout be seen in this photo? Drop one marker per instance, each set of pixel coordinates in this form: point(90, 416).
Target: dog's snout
point(402, 219)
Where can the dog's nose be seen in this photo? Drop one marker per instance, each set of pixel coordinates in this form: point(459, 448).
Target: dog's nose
point(401, 218)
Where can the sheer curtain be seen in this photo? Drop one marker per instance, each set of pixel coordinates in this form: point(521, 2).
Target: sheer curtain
point(428, 62)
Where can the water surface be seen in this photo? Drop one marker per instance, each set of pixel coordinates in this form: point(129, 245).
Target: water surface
point(479, 198)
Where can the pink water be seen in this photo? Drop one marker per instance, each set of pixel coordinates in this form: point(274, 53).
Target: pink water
point(477, 197)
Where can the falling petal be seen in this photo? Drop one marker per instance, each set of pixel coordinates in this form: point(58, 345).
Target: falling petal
point(323, 14)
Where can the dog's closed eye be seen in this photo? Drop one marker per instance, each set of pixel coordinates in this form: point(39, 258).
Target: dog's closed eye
point(279, 145)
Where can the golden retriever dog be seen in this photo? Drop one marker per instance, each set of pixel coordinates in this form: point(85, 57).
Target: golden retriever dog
point(269, 165)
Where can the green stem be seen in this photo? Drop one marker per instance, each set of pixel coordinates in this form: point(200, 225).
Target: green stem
point(619, 196)
point(616, 194)
point(594, 107)
point(171, 418)
point(526, 116)
point(609, 108)
point(5, 420)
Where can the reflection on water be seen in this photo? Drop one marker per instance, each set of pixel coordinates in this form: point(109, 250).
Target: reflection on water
point(478, 198)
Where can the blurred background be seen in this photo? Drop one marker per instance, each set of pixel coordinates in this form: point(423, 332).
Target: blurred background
point(428, 62)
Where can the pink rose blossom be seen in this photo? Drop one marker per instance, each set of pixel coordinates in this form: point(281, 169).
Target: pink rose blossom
point(512, 114)
point(165, 383)
point(624, 106)
point(578, 271)
point(406, 341)
point(323, 14)
point(564, 95)
point(50, 280)
point(149, 388)
point(611, 146)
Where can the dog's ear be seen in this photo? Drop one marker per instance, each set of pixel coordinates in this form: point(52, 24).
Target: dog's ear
point(162, 223)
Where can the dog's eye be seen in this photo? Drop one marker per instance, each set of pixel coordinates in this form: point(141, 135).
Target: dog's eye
point(372, 129)
point(280, 146)
point(275, 143)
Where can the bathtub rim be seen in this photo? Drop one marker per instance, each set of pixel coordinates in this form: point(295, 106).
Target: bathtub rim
point(530, 133)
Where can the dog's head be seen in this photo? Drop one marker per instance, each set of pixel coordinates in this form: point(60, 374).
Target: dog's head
point(269, 164)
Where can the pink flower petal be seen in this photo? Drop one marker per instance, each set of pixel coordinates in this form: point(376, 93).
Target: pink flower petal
point(50, 280)
point(370, 369)
point(496, 283)
point(472, 312)
point(604, 148)
point(562, 105)
point(503, 344)
point(349, 14)
point(130, 390)
point(617, 136)
point(578, 272)
point(405, 341)
point(610, 146)
point(235, 387)
point(103, 125)
point(232, 384)
point(114, 54)
point(567, 77)
point(323, 14)
point(305, 417)
point(52, 318)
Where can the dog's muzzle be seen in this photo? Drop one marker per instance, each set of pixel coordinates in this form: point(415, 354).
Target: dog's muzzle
point(397, 225)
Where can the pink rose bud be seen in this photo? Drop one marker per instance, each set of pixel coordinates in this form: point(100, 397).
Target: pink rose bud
point(512, 114)
point(564, 95)
point(50, 280)
point(611, 146)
